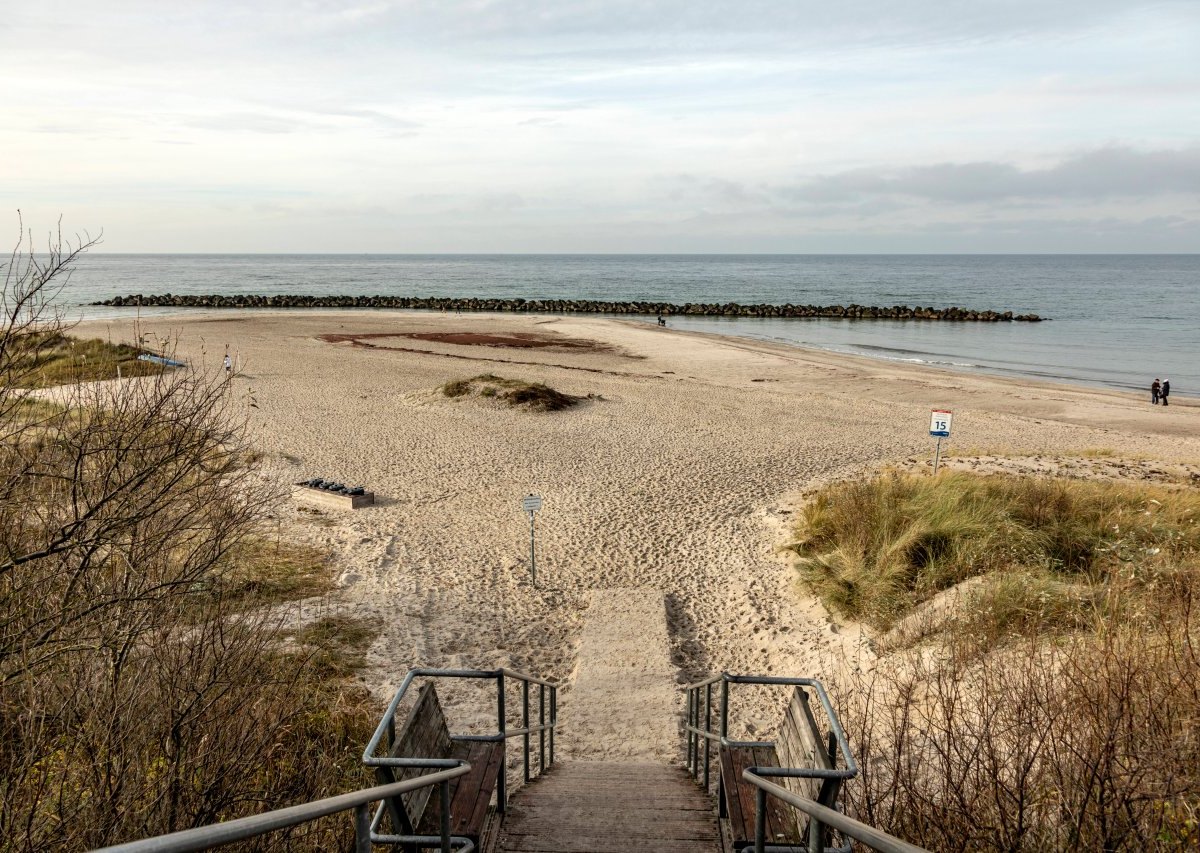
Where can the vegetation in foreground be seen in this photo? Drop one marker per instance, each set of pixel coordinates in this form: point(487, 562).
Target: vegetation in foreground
point(514, 392)
point(149, 679)
point(1059, 707)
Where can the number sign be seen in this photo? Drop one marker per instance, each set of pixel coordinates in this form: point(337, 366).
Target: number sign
point(939, 424)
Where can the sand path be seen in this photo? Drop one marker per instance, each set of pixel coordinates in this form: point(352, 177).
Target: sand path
point(624, 700)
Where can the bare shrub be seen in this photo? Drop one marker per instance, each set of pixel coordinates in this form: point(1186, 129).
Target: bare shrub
point(1085, 743)
point(138, 694)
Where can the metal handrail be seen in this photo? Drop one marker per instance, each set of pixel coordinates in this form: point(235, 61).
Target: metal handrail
point(695, 733)
point(217, 835)
point(384, 764)
point(848, 826)
point(820, 815)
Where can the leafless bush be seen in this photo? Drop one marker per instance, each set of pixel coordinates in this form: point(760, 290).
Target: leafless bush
point(136, 698)
point(1085, 742)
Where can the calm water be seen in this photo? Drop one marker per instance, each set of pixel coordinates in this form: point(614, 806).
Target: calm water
point(1118, 320)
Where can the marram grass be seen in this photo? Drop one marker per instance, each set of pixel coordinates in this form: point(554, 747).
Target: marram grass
point(1048, 548)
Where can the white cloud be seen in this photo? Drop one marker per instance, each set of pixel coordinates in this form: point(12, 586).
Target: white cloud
point(558, 125)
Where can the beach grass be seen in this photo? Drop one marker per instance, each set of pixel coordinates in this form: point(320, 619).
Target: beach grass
point(47, 360)
point(1048, 550)
point(515, 392)
point(1070, 651)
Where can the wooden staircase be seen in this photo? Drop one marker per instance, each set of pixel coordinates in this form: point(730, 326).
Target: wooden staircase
point(601, 807)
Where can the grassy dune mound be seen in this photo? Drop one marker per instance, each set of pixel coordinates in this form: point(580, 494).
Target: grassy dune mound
point(1055, 705)
point(514, 392)
point(46, 360)
point(1048, 551)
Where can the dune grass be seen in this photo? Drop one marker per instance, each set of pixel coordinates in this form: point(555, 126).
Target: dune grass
point(515, 392)
point(47, 360)
point(1056, 707)
point(1050, 549)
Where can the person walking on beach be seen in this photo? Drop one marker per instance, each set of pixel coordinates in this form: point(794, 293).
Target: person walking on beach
point(228, 366)
point(1165, 390)
point(1155, 390)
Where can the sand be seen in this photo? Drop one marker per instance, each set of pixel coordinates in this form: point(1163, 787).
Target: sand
point(679, 477)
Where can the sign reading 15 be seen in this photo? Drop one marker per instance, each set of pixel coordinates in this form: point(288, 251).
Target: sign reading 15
point(939, 423)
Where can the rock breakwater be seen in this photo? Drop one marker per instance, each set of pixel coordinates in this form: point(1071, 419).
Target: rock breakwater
point(566, 306)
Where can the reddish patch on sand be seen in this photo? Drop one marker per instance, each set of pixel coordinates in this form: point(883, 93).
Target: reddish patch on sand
point(511, 340)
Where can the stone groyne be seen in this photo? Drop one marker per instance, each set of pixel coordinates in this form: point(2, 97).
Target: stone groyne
point(565, 306)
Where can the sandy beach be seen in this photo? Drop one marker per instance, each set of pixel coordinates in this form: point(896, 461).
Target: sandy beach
point(677, 479)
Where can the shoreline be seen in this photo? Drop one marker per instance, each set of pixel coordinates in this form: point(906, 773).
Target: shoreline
point(981, 372)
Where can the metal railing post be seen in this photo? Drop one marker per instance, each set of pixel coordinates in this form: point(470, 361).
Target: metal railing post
point(541, 728)
point(445, 817)
point(724, 708)
point(502, 773)
point(362, 828)
point(760, 820)
point(525, 724)
point(816, 844)
point(691, 736)
point(707, 728)
point(553, 719)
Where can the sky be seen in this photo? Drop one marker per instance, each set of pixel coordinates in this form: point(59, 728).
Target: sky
point(622, 126)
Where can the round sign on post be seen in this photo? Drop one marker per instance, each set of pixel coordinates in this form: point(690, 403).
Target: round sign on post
point(531, 504)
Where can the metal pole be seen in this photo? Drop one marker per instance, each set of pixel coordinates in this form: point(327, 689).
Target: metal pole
point(724, 709)
point(502, 774)
point(707, 728)
point(691, 738)
point(937, 452)
point(553, 718)
point(760, 820)
point(362, 828)
point(542, 727)
point(445, 786)
point(525, 724)
point(532, 553)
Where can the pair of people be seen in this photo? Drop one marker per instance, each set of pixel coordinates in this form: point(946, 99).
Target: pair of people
point(1160, 391)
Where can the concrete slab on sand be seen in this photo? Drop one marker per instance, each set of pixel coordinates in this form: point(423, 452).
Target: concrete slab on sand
point(334, 500)
point(624, 702)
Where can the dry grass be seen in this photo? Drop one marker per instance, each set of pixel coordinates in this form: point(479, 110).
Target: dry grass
point(1060, 706)
point(261, 572)
point(1049, 548)
point(53, 359)
point(514, 392)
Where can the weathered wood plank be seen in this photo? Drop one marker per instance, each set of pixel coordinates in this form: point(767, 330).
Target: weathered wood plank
point(423, 735)
point(801, 745)
point(599, 808)
point(740, 797)
point(470, 795)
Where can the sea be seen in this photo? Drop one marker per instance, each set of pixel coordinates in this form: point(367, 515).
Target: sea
point(1114, 321)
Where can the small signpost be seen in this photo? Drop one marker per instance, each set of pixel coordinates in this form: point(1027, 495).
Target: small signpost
point(531, 504)
point(939, 426)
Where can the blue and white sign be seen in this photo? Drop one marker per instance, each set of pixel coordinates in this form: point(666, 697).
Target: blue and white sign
point(939, 424)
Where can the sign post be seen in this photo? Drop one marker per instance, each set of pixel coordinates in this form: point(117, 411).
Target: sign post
point(531, 504)
point(939, 425)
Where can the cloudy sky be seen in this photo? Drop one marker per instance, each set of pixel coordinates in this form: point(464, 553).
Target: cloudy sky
point(605, 125)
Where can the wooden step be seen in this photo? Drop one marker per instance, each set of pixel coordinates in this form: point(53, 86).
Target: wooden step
point(605, 807)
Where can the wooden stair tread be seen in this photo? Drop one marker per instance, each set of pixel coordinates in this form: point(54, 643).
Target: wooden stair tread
point(597, 807)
